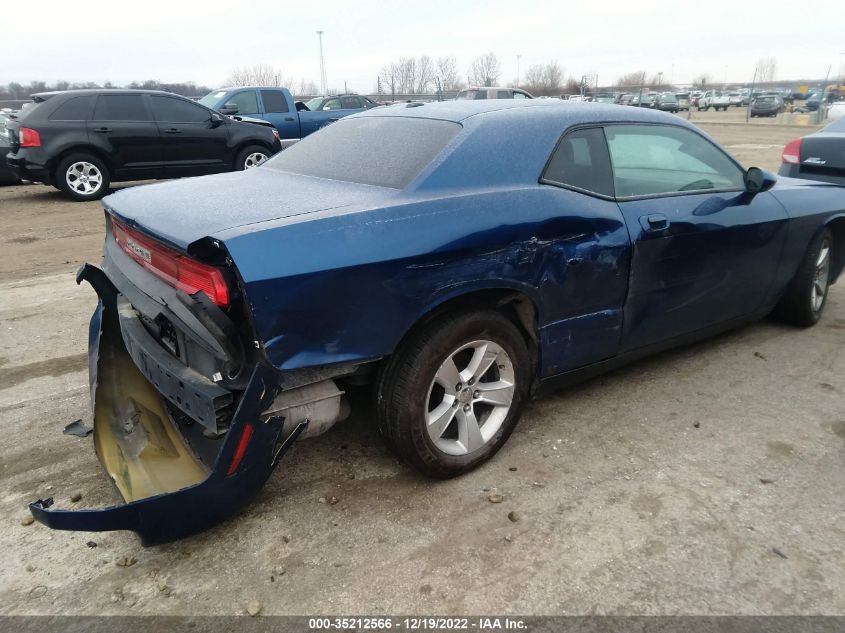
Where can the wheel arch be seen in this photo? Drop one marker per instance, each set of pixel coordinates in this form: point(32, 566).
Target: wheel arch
point(81, 149)
point(519, 305)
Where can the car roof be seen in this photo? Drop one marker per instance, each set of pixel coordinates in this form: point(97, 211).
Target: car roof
point(553, 111)
point(43, 96)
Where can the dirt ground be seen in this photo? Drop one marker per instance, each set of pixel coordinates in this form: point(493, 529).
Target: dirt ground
point(706, 480)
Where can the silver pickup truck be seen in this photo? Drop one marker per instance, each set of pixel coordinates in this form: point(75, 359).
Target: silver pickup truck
point(714, 99)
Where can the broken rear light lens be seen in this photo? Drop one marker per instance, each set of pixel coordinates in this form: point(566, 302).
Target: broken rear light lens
point(240, 449)
point(171, 266)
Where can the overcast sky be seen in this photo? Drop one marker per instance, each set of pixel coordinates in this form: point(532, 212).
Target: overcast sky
point(99, 40)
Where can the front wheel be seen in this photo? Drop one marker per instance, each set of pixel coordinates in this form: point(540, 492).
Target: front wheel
point(250, 157)
point(451, 396)
point(805, 297)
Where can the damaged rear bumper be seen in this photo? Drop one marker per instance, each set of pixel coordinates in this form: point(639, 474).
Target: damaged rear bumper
point(168, 491)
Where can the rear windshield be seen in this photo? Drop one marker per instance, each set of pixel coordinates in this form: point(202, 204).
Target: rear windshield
point(837, 126)
point(381, 151)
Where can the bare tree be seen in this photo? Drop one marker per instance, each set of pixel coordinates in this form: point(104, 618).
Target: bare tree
point(701, 81)
point(534, 79)
point(766, 69)
point(390, 77)
point(306, 88)
point(447, 71)
point(425, 74)
point(632, 80)
point(259, 75)
point(553, 77)
point(485, 70)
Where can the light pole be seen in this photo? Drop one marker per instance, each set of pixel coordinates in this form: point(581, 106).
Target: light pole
point(725, 78)
point(672, 76)
point(322, 65)
point(518, 57)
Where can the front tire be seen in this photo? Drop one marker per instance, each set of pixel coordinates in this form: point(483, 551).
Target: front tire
point(251, 156)
point(82, 177)
point(805, 297)
point(452, 395)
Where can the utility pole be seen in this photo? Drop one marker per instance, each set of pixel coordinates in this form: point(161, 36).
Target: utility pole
point(518, 57)
point(322, 65)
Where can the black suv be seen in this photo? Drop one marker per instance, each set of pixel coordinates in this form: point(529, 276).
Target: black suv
point(81, 140)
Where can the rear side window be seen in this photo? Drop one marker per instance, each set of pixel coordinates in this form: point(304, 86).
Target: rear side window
point(121, 108)
point(664, 159)
point(503, 94)
point(274, 101)
point(350, 103)
point(75, 109)
point(170, 110)
point(581, 160)
point(381, 151)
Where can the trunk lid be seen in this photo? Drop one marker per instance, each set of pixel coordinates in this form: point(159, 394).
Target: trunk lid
point(180, 212)
point(823, 154)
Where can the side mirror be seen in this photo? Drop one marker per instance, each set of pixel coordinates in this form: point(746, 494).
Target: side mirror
point(758, 180)
point(216, 119)
point(229, 108)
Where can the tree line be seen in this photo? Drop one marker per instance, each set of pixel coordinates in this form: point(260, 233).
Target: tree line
point(17, 91)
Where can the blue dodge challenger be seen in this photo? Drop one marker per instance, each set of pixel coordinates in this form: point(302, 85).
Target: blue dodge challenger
point(459, 258)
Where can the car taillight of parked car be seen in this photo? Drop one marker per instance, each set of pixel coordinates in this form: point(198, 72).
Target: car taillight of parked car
point(29, 137)
point(792, 152)
point(171, 266)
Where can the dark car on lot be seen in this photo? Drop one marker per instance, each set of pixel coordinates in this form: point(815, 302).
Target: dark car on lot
point(455, 258)
point(351, 102)
point(666, 101)
point(766, 105)
point(79, 141)
point(817, 156)
point(7, 176)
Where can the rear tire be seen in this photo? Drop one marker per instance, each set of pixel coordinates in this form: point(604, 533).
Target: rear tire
point(82, 177)
point(251, 156)
point(805, 297)
point(451, 396)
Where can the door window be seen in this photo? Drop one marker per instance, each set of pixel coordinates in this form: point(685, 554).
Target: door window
point(350, 103)
point(503, 94)
point(274, 101)
point(246, 101)
point(663, 159)
point(581, 160)
point(121, 108)
point(331, 104)
point(170, 110)
point(519, 95)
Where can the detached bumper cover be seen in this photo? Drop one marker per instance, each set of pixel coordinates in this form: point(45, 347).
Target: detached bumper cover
point(169, 493)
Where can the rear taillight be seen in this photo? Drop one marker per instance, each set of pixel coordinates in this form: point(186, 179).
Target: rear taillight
point(792, 152)
point(29, 137)
point(171, 266)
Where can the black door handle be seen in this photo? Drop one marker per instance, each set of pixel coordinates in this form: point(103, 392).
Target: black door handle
point(289, 118)
point(103, 130)
point(173, 130)
point(654, 223)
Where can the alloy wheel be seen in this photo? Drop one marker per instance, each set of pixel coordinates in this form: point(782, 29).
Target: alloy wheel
point(84, 178)
point(821, 277)
point(254, 160)
point(470, 397)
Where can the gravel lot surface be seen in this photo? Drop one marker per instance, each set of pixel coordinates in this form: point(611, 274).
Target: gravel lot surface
point(703, 480)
